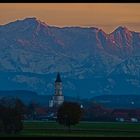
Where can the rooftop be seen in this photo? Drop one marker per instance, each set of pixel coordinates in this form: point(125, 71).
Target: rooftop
point(58, 79)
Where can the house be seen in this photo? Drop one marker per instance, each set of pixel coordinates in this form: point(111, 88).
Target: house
point(130, 115)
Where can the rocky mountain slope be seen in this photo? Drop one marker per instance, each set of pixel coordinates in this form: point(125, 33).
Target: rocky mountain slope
point(32, 52)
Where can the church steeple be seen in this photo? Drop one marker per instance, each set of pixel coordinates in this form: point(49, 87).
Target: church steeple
point(58, 79)
point(58, 85)
point(58, 97)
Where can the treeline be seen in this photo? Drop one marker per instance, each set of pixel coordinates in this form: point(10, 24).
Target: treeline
point(13, 112)
point(94, 111)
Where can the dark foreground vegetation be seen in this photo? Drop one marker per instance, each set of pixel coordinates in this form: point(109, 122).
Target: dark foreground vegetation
point(11, 115)
point(69, 114)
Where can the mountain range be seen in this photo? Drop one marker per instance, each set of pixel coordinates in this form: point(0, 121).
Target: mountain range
point(90, 61)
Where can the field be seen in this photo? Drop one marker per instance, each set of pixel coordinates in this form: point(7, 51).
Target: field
point(83, 129)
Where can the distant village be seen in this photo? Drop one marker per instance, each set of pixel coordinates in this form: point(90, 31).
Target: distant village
point(93, 111)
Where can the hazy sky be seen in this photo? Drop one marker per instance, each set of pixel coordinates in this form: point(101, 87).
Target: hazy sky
point(106, 16)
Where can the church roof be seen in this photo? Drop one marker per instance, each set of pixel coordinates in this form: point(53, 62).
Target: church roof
point(58, 79)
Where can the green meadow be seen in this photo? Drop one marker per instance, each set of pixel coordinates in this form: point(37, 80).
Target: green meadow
point(83, 129)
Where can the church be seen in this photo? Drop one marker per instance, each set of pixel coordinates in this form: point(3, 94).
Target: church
point(58, 97)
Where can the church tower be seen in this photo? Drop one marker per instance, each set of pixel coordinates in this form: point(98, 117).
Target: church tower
point(58, 97)
point(58, 86)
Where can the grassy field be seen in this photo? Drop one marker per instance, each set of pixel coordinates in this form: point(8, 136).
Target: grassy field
point(83, 129)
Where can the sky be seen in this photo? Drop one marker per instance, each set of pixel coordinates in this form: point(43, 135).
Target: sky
point(106, 16)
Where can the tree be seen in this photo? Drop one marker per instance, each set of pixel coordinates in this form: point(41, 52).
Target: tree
point(12, 111)
point(69, 113)
point(1, 118)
